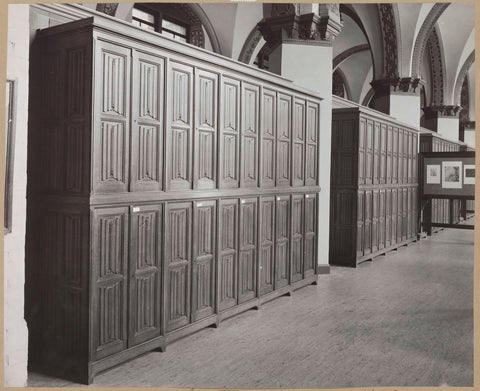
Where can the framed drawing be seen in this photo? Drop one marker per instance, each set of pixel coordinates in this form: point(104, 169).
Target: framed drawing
point(469, 174)
point(433, 174)
point(452, 175)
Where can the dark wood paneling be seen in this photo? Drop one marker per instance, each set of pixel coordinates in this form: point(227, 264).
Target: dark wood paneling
point(147, 122)
point(145, 273)
point(267, 245)
point(247, 250)
point(203, 277)
point(284, 139)
point(178, 264)
point(249, 136)
point(109, 285)
point(229, 133)
point(228, 253)
point(179, 126)
point(374, 212)
point(205, 144)
point(282, 241)
point(161, 170)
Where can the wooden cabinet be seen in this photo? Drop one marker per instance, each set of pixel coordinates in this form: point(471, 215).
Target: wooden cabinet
point(169, 189)
point(373, 185)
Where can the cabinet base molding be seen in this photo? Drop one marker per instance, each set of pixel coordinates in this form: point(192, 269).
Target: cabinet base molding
point(369, 257)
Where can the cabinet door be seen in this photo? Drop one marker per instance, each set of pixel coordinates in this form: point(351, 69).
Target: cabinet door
point(381, 220)
point(145, 273)
point(178, 264)
point(296, 258)
point(394, 215)
point(267, 240)
point(247, 259)
point(298, 143)
point(249, 134)
point(404, 213)
point(369, 152)
point(203, 277)
point(147, 122)
point(367, 243)
point(205, 146)
point(109, 281)
point(388, 217)
point(229, 159)
point(376, 153)
point(310, 249)
point(395, 155)
point(360, 223)
point(282, 241)
point(284, 139)
point(362, 150)
point(399, 214)
point(375, 214)
point(389, 137)
point(268, 125)
point(227, 253)
point(383, 153)
point(112, 118)
point(311, 148)
point(179, 126)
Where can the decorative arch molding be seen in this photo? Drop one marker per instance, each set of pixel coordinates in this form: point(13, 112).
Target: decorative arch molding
point(437, 67)
point(349, 11)
point(368, 97)
point(339, 59)
point(461, 77)
point(390, 44)
point(340, 84)
point(250, 45)
point(423, 35)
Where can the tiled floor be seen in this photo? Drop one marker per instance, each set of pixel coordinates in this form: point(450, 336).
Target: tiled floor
point(405, 319)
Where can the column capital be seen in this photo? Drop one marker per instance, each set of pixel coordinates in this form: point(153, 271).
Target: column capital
point(411, 85)
point(323, 26)
point(442, 111)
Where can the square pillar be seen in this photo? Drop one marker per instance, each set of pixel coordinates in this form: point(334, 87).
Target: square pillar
point(443, 120)
point(399, 97)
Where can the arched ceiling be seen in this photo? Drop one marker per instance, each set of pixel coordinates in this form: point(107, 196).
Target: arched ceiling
point(456, 27)
point(408, 16)
point(351, 35)
point(357, 71)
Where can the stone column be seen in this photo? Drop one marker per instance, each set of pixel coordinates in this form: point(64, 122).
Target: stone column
point(399, 97)
point(443, 119)
point(299, 47)
point(467, 132)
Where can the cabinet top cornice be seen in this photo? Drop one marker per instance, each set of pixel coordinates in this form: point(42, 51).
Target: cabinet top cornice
point(102, 24)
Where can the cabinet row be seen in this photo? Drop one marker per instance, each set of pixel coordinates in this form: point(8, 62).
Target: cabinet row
point(369, 222)
point(161, 124)
point(370, 151)
point(159, 268)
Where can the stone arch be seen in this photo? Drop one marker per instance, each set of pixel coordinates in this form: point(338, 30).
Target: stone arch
point(348, 10)
point(423, 35)
point(250, 45)
point(340, 84)
point(368, 97)
point(390, 44)
point(437, 67)
point(461, 77)
point(348, 53)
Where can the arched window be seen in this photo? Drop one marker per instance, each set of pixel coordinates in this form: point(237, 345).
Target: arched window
point(155, 19)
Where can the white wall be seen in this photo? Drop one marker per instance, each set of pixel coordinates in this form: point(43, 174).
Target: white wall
point(310, 73)
point(16, 333)
point(406, 108)
point(448, 127)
